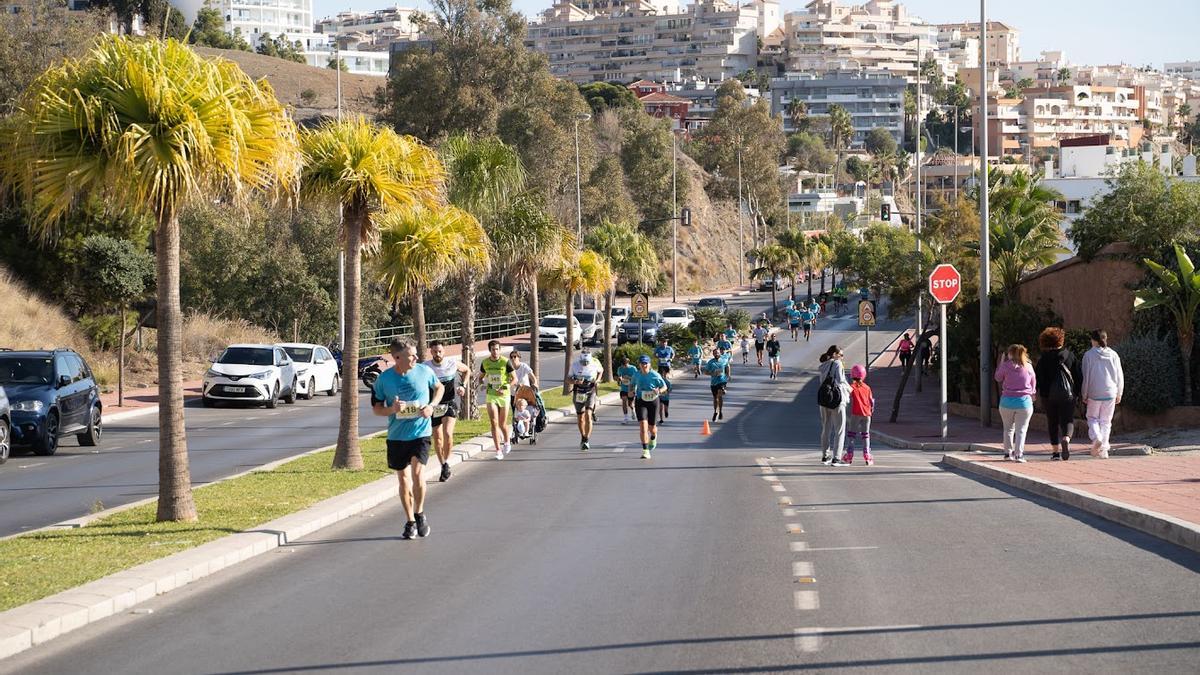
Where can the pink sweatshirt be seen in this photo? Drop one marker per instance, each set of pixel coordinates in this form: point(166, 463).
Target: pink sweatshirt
point(1016, 380)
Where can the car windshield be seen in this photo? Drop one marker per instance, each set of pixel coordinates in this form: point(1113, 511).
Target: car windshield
point(247, 356)
point(675, 313)
point(299, 354)
point(585, 317)
point(554, 322)
point(26, 370)
point(710, 302)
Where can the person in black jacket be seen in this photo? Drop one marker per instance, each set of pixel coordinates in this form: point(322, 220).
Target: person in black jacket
point(1058, 385)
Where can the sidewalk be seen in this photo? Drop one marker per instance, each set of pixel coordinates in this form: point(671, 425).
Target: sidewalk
point(1158, 494)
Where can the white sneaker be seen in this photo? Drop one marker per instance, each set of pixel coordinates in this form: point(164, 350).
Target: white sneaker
point(508, 449)
point(1104, 452)
point(500, 453)
point(1021, 460)
point(1008, 458)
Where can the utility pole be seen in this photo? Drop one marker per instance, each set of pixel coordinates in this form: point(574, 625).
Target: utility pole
point(741, 228)
point(920, 204)
point(985, 253)
point(337, 55)
point(675, 219)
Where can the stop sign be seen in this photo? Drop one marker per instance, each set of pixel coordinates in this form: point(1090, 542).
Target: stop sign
point(945, 283)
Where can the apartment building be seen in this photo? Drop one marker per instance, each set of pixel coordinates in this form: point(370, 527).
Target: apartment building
point(960, 48)
point(1043, 117)
point(620, 41)
point(256, 18)
point(873, 99)
point(364, 40)
point(1045, 71)
point(1003, 41)
point(1188, 69)
point(1159, 94)
point(878, 35)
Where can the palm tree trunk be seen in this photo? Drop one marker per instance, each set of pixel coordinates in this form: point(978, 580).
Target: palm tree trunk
point(121, 364)
point(348, 454)
point(468, 339)
point(569, 349)
point(174, 477)
point(810, 284)
point(534, 310)
point(822, 281)
point(1186, 342)
point(608, 348)
point(774, 300)
point(419, 333)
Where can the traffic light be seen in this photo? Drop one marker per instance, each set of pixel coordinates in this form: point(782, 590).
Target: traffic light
point(685, 217)
point(885, 212)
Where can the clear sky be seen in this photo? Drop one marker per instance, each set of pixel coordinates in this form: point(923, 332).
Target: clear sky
point(1138, 32)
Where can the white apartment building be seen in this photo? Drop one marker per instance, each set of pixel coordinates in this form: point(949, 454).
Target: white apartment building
point(1044, 71)
point(1003, 41)
point(873, 99)
point(1159, 93)
point(256, 18)
point(1045, 117)
point(650, 39)
point(364, 40)
point(878, 35)
point(961, 49)
point(1188, 69)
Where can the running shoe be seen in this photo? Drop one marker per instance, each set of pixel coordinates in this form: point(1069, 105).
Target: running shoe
point(870, 462)
point(827, 461)
point(1055, 457)
point(645, 454)
point(507, 449)
point(1020, 459)
point(410, 530)
point(583, 445)
point(1008, 457)
point(422, 525)
point(721, 415)
point(1066, 454)
point(445, 473)
point(500, 453)
point(714, 417)
point(838, 462)
point(654, 444)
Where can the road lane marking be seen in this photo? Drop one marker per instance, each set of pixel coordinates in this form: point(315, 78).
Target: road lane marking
point(778, 488)
point(808, 640)
point(807, 601)
point(788, 513)
point(785, 501)
point(844, 548)
point(799, 546)
point(225, 424)
point(30, 466)
point(824, 510)
point(794, 528)
point(802, 569)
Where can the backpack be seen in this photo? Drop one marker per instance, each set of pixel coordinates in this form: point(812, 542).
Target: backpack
point(1062, 386)
point(829, 395)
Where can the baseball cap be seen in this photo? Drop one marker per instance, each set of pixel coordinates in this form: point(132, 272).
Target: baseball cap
point(585, 357)
point(643, 359)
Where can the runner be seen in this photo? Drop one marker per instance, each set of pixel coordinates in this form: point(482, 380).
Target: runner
point(403, 394)
point(695, 353)
point(730, 334)
point(584, 375)
point(815, 308)
point(760, 339)
point(717, 369)
point(452, 374)
point(809, 319)
point(648, 386)
point(794, 317)
point(663, 354)
point(665, 401)
point(744, 343)
point(773, 348)
point(498, 379)
point(625, 373)
point(723, 344)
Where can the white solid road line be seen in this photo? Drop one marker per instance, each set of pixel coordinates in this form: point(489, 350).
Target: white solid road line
point(824, 510)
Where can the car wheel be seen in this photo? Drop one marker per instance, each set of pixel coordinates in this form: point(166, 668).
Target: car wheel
point(5, 443)
point(312, 389)
point(91, 437)
point(337, 385)
point(274, 400)
point(48, 445)
point(291, 395)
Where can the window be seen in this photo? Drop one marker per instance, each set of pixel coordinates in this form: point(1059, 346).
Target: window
point(63, 367)
point(80, 367)
point(1073, 206)
point(280, 357)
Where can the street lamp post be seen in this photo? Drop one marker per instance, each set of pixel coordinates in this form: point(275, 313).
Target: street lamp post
point(985, 277)
point(337, 55)
point(675, 222)
point(741, 228)
point(920, 205)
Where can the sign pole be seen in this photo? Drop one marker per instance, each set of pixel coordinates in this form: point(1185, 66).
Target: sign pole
point(867, 349)
point(945, 283)
point(942, 364)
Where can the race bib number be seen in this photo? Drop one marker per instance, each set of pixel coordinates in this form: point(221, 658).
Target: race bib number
point(626, 380)
point(581, 397)
point(649, 395)
point(408, 410)
point(495, 381)
point(440, 410)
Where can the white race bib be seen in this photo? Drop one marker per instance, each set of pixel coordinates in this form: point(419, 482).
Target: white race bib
point(495, 381)
point(581, 397)
point(650, 395)
point(408, 410)
point(440, 410)
point(626, 380)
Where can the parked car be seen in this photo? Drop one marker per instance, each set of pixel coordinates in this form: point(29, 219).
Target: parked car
point(777, 284)
point(619, 316)
point(676, 316)
point(591, 322)
point(51, 394)
point(634, 330)
point(718, 304)
point(552, 332)
point(254, 373)
point(5, 427)
point(316, 369)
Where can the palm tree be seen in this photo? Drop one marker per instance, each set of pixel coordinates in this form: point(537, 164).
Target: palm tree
point(1179, 292)
point(774, 261)
point(795, 241)
point(149, 125)
point(797, 111)
point(577, 272)
point(484, 175)
point(631, 256)
point(841, 131)
point(420, 248)
point(1023, 229)
point(528, 242)
point(368, 170)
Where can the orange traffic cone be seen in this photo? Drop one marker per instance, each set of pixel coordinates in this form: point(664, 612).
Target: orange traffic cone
point(704, 430)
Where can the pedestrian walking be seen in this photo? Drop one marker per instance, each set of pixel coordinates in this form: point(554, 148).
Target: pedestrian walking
point(1018, 383)
point(862, 406)
point(906, 350)
point(1103, 386)
point(1058, 383)
point(405, 394)
point(924, 352)
point(833, 397)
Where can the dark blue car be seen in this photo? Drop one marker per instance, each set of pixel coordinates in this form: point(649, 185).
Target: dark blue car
point(52, 394)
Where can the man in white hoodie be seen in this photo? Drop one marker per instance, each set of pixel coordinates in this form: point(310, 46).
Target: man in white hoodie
point(1103, 385)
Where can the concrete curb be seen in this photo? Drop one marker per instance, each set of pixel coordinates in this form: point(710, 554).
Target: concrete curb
point(1167, 528)
point(993, 448)
point(23, 627)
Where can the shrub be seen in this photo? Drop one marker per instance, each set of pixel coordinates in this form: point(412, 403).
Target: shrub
point(679, 337)
point(205, 337)
point(707, 322)
point(1153, 374)
point(308, 96)
point(740, 319)
point(103, 331)
point(633, 350)
point(1078, 341)
point(1015, 323)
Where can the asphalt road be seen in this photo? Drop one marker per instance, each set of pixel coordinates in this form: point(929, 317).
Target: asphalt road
point(557, 561)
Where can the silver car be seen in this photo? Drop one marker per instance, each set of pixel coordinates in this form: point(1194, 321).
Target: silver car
point(5, 427)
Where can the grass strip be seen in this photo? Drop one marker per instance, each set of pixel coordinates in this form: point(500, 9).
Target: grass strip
point(41, 564)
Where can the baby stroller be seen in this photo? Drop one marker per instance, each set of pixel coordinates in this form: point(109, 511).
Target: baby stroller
point(538, 409)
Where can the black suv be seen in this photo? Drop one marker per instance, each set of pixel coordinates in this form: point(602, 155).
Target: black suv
point(51, 394)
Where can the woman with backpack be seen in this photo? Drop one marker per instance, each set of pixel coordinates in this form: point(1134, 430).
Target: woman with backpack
point(1058, 382)
point(833, 396)
point(1018, 383)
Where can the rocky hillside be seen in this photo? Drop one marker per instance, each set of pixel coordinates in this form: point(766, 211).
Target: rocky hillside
point(708, 250)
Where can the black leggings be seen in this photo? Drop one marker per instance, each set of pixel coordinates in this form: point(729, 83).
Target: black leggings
point(1060, 420)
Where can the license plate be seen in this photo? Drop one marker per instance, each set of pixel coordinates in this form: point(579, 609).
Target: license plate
point(235, 390)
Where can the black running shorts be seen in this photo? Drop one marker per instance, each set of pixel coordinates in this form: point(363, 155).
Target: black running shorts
point(718, 388)
point(451, 411)
point(646, 410)
point(401, 453)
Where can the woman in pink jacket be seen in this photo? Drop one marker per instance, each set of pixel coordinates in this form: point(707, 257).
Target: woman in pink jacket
point(1017, 386)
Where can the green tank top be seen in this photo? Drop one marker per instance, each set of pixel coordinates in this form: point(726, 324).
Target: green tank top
point(495, 373)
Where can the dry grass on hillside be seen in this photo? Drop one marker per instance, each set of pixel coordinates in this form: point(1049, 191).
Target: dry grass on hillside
point(28, 322)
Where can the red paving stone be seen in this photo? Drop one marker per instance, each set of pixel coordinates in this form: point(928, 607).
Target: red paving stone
point(1164, 483)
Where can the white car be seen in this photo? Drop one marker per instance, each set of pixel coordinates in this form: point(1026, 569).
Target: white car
point(619, 315)
point(592, 323)
point(552, 332)
point(316, 369)
point(254, 373)
point(677, 316)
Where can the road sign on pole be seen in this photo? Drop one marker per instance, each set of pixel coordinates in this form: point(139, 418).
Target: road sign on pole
point(866, 319)
point(639, 306)
point(945, 283)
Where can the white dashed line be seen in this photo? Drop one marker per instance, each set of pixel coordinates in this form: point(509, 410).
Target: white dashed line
point(807, 601)
point(788, 513)
point(785, 501)
point(825, 510)
point(778, 488)
point(802, 569)
point(794, 528)
point(808, 640)
point(844, 548)
point(799, 546)
point(30, 466)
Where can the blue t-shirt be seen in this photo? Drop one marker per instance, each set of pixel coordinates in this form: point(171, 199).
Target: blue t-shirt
point(716, 370)
point(789, 303)
point(664, 355)
point(623, 372)
point(808, 316)
point(667, 396)
point(695, 352)
point(725, 345)
point(794, 315)
point(730, 333)
point(647, 381)
point(414, 388)
point(814, 308)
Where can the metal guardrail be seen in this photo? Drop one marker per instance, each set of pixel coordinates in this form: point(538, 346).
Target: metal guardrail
point(486, 328)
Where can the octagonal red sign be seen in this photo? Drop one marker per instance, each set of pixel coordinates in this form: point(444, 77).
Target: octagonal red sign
point(945, 283)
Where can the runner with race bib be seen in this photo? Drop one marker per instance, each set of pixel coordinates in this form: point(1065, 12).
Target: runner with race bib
point(647, 387)
point(584, 375)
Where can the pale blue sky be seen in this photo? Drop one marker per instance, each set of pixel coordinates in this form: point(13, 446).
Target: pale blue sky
point(1090, 31)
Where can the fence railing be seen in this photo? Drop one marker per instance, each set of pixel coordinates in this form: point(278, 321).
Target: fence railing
point(486, 328)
